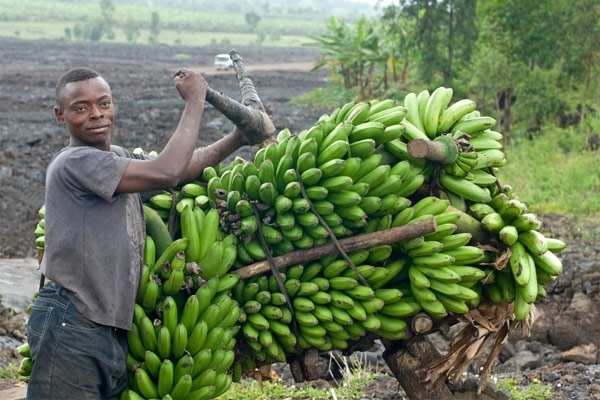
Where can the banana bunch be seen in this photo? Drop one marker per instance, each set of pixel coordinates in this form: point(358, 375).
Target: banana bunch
point(139, 150)
point(332, 305)
point(443, 273)
point(477, 149)
point(328, 302)
point(531, 260)
point(185, 350)
point(336, 172)
point(26, 363)
point(185, 323)
point(39, 232)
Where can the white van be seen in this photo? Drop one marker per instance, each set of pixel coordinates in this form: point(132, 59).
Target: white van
point(223, 61)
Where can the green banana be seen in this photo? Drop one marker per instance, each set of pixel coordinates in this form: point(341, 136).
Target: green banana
point(465, 188)
point(358, 113)
point(472, 126)
point(157, 230)
point(164, 383)
point(454, 112)
point(390, 117)
point(145, 384)
point(367, 130)
point(411, 104)
point(436, 103)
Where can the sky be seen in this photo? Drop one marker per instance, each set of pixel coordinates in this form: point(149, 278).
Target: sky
point(374, 2)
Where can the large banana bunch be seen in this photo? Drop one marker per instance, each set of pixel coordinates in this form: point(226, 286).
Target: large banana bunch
point(183, 336)
point(185, 351)
point(328, 179)
point(327, 300)
point(525, 259)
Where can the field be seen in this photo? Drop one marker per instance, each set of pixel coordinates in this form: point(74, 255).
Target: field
point(148, 109)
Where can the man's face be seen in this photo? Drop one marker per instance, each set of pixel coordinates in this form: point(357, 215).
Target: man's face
point(87, 110)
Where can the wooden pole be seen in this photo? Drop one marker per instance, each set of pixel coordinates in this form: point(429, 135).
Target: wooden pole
point(404, 361)
point(249, 115)
point(364, 241)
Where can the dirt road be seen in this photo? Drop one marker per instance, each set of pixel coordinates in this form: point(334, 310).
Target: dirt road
point(148, 108)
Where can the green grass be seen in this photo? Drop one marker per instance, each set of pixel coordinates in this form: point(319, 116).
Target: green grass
point(555, 173)
point(331, 96)
point(11, 372)
point(42, 19)
point(533, 391)
point(355, 378)
point(56, 31)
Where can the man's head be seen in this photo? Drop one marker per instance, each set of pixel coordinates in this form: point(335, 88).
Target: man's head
point(84, 106)
point(73, 75)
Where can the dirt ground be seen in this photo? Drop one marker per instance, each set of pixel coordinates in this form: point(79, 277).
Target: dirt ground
point(563, 347)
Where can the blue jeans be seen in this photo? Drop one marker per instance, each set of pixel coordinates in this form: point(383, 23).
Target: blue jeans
point(74, 358)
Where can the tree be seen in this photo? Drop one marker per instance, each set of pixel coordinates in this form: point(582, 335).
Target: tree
point(443, 35)
point(580, 48)
point(353, 51)
point(78, 31)
point(252, 19)
point(106, 27)
point(107, 9)
point(399, 34)
point(131, 29)
point(539, 57)
point(154, 28)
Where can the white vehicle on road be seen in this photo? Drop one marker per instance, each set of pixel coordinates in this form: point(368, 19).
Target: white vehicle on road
point(223, 61)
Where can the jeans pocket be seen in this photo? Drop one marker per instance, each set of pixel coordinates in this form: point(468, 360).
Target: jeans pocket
point(37, 325)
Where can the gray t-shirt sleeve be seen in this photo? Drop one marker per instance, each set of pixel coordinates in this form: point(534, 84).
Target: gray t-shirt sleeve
point(95, 171)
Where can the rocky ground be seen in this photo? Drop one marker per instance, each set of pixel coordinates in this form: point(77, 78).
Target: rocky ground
point(562, 349)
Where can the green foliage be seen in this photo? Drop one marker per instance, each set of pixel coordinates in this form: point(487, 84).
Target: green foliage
point(555, 172)
point(534, 391)
point(11, 372)
point(538, 96)
point(330, 96)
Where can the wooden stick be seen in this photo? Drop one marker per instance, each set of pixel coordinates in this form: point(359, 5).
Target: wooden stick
point(364, 241)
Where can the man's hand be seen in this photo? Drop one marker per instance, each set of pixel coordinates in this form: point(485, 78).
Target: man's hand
point(190, 85)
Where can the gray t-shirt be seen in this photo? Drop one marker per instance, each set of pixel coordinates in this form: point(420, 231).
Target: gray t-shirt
point(94, 237)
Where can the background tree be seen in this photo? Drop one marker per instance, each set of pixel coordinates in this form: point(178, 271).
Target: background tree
point(154, 27)
point(131, 29)
point(107, 10)
point(252, 19)
point(356, 52)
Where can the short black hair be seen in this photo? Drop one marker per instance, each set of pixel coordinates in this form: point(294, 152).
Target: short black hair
point(74, 75)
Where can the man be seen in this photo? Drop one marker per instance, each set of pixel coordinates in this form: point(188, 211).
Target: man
point(95, 235)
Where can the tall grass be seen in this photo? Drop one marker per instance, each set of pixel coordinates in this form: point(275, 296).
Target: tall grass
point(555, 173)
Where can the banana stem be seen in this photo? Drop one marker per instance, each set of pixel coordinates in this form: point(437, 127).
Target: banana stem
point(467, 223)
point(249, 115)
point(443, 149)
